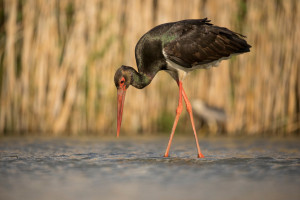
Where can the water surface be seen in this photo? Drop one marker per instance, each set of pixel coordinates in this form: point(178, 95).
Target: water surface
point(127, 168)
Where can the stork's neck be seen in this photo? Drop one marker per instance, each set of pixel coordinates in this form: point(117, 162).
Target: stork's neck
point(140, 80)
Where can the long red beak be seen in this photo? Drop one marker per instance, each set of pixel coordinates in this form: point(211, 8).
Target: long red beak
point(121, 99)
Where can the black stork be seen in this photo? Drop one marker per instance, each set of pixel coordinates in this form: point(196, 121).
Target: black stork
point(177, 48)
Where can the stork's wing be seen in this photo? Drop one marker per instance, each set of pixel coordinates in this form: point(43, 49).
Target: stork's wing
point(199, 42)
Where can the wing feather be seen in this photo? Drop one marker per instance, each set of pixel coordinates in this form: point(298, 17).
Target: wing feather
point(198, 42)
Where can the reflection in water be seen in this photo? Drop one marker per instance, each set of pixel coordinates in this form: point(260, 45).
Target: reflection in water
point(92, 168)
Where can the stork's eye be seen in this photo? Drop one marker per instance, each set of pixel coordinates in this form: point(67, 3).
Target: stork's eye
point(122, 81)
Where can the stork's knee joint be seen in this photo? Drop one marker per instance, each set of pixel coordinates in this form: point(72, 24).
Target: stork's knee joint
point(188, 107)
point(179, 109)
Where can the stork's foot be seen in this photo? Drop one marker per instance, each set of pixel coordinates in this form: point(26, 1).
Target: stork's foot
point(166, 155)
point(200, 155)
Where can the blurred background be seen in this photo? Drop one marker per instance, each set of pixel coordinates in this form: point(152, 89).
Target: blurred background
point(58, 59)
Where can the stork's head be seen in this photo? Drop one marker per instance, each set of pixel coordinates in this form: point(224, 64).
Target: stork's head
point(123, 77)
point(122, 80)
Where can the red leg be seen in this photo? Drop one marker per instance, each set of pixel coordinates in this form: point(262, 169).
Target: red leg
point(189, 109)
point(178, 112)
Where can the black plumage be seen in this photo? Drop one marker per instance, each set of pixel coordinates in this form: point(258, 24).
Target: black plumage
point(187, 43)
point(202, 43)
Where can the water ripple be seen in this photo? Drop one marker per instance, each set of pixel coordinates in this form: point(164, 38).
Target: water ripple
point(138, 165)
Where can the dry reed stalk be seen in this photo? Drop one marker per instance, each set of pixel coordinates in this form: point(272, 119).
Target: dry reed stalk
point(60, 58)
point(8, 99)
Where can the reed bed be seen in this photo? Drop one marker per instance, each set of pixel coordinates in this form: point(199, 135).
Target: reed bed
point(58, 60)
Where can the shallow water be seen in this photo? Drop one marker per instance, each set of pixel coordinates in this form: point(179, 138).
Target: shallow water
point(126, 168)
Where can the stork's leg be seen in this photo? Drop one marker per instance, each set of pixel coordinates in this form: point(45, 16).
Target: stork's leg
point(189, 109)
point(178, 112)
